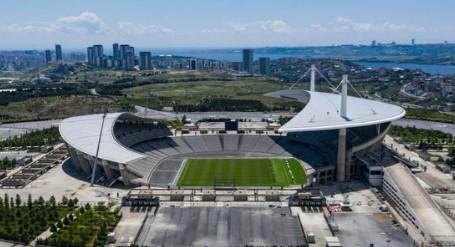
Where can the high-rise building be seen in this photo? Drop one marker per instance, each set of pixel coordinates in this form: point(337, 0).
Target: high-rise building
point(145, 61)
point(373, 43)
point(264, 65)
point(123, 50)
point(248, 60)
point(115, 51)
point(192, 64)
point(58, 53)
point(98, 55)
point(90, 57)
point(127, 57)
point(48, 56)
point(413, 41)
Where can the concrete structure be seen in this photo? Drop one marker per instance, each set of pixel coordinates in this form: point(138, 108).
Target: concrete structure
point(344, 114)
point(328, 136)
point(413, 203)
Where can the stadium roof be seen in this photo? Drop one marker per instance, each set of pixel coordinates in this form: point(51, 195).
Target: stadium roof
point(82, 133)
point(322, 111)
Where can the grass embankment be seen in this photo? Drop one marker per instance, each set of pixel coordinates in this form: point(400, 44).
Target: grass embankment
point(246, 94)
point(56, 107)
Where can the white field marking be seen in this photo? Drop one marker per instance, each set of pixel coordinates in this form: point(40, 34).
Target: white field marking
point(179, 172)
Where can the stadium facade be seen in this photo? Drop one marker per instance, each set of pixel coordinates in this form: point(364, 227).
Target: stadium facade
point(330, 137)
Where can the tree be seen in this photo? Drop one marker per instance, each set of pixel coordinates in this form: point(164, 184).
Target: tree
point(52, 202)
point(70, 203)
point(41, 201)
point(64, 200)
point(29, 202)
point(18, 201)
point(6, 200)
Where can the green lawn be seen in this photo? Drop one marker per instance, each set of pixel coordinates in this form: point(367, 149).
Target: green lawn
point(242, 172)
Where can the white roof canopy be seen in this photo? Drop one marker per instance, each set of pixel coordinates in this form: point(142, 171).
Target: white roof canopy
point(82, 133)
point(322, 111)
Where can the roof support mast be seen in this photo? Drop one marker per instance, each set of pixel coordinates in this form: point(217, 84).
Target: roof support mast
point(341, 154)
point(92, 180)
point(344, 96)
point(313, 78)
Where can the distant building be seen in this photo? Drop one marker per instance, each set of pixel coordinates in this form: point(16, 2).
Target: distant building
point(123, 50)
point(413, 41)
point(98, 54)
point(58, 53)
point(115, 51)
point(127, 57)
point(48, 56)
point(248, 60)
point(237, 66)
point(373, 43)
point(264, 65)
point(192, 64)
point(145, 61)
point(90, 57)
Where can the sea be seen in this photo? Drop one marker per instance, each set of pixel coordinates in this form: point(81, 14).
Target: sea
point(235, 55)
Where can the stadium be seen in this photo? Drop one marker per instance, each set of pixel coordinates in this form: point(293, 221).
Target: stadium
point(328, 140)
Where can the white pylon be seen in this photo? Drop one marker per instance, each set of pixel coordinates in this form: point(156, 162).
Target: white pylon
point(313, 78)
point(344, 96)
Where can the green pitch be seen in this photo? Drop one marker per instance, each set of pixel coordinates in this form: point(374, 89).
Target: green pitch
point(243, 172)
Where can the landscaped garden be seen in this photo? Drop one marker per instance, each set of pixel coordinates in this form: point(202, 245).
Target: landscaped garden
point(23, 221)
point(86, 226)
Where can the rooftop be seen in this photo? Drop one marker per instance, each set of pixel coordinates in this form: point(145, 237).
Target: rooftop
point(82, 133)
point(322, 111)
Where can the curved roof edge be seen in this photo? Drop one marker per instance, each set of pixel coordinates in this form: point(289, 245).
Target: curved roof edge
point(82, 133)
point(322, 111)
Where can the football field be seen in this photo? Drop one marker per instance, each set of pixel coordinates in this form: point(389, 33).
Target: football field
point(242, 172)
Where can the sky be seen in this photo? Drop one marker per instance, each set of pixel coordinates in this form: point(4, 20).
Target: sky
point(39, 24)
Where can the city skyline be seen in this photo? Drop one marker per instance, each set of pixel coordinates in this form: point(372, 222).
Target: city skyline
point(222, 24)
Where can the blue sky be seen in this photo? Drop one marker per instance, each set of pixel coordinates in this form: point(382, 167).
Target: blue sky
point(222, 23)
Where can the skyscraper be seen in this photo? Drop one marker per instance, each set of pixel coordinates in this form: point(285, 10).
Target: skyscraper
point(98, 55)
point(48, 56)
point(248, 60)
point(58, 53)
point(90, 57)
point(264, 65)
point(123, 50)
point(115, 51)
point(145, 61)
